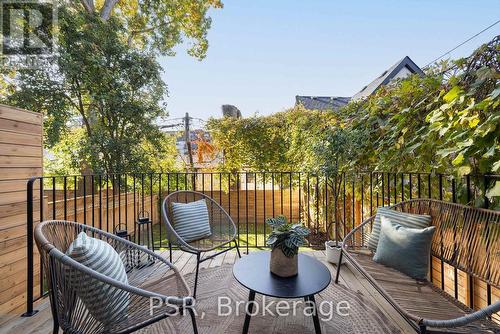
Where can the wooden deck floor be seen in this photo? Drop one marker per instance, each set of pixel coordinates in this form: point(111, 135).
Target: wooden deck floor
point(42, 321)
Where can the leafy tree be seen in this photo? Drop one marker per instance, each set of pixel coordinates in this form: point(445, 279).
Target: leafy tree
point(101, 84)
point(106, 79)
point(156, 24)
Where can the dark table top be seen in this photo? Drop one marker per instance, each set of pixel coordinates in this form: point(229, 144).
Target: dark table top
point(252, 271)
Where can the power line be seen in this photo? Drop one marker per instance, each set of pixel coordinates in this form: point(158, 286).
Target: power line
point(459, 45)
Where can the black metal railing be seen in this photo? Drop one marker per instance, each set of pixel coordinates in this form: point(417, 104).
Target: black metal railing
point(329, 205)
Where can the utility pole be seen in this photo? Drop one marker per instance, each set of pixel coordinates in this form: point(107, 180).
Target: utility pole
point(187, 138)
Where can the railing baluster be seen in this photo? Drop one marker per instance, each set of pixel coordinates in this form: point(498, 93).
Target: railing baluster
point(395, 188)
point(281, 192)
point(264, 203)
point(383, 189)
point(363, 206)
point(100, 201)
point(255, 209)
point(327, 223)
point(29, 248)
point(135, 204)
point(54, 198)
point(149, 227)
point(119, 200)
point(246, 207)
point(402, 187)
point(411, 185)
point(113, 183)
point(75, 210)
point(344, 227)
point(126, 201)
point(160, 201)
point(419, 186)
point(107, 202)
point(65, 185)
point(371, 194)
point(429, 185)
point(300, 197)
point(317, 202)
point(31, 240)
point(93, 199)
point(238, 187)
point(353, 207)
point(290, 187)
point(308, 201)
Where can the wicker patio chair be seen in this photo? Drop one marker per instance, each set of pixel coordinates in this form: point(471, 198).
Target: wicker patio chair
point(466, 238)
point(223, 237)
point(149, 276)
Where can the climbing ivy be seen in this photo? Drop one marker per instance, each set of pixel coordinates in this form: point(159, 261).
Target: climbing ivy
point(447, 121)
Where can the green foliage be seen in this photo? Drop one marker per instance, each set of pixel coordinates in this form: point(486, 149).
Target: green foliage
point(155, 24)
point(282, 141)
point(101, 85)
point(288, 237)
point(65, 157)
point(102, 97)
point(446, 121)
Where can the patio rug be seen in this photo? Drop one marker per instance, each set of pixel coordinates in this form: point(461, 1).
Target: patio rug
point(364, 317)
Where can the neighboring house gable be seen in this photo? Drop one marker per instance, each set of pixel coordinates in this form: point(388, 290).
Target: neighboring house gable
point(401, 69)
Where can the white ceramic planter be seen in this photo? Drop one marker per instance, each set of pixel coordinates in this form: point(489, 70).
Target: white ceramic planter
point(333, 252)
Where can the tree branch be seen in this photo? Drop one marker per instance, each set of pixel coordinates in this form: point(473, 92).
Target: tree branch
point(81, 109)
point(88, 5)
point(107, 9)
point(142, 31)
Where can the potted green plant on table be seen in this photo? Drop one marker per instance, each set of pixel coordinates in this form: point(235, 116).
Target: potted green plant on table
point(285, 240)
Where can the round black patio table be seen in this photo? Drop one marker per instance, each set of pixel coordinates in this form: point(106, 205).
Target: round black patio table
point(252, 271)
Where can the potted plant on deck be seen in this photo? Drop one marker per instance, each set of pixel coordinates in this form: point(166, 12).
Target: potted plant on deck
point(285, 240)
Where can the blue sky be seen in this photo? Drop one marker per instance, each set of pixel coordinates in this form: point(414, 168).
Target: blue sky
point(263, 53)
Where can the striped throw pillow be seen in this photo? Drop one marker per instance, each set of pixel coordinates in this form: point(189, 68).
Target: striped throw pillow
point(404, 219)
point(191, 220)
point(106, 303)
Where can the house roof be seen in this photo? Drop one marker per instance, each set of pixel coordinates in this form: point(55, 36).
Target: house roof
point(336, 102)
point(387, 76)
point(322, 102)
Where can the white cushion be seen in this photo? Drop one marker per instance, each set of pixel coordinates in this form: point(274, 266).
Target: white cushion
point(106, 303)
point(191, 220)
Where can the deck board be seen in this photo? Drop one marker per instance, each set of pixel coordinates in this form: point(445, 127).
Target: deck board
point(186, 263)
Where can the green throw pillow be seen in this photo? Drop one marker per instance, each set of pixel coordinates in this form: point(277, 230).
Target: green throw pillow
point(405, 219)
point(405, 249)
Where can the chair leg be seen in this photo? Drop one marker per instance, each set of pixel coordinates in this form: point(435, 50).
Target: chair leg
point(196, 274)
point(170, 250)
point(55, 321)
point(237, 248)
point(338, 267)
point(193, 320)
point(55, 329)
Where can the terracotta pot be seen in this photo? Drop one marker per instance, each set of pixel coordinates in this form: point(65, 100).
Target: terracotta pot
point(281, 265)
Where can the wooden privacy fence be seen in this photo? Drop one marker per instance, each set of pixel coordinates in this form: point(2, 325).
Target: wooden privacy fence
point(20, 158)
